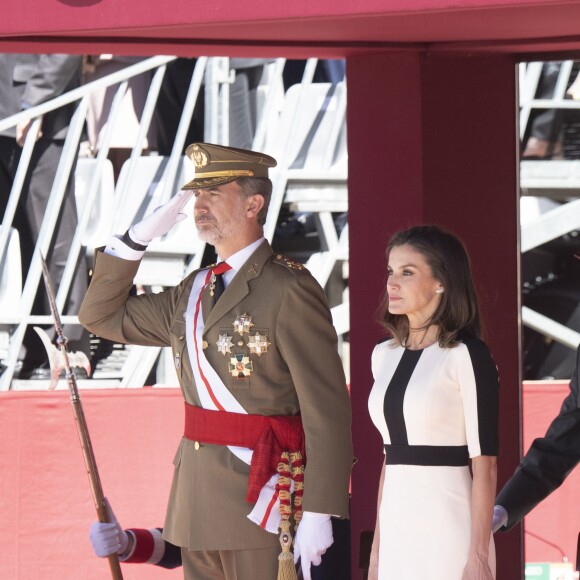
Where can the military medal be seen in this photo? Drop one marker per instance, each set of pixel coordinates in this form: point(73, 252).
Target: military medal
point(177, 361)
point(212, 284)
point(240, 366)
point(224, 344)
point(258, 344)
point(243, 323)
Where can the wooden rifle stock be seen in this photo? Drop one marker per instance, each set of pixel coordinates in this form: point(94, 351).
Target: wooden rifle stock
point(82, 429)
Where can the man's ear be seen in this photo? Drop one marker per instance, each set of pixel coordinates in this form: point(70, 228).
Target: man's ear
point(254, 204)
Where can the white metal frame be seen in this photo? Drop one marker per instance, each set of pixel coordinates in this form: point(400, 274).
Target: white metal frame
point(216, 74)
point(553, 179)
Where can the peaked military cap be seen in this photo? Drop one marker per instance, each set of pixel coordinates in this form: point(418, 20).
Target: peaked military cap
point(217, 164)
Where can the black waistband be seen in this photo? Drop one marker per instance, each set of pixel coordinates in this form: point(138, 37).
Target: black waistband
point(454, 456)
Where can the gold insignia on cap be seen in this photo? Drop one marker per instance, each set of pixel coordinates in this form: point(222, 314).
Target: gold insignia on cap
point(199, 156)
point(217, 165)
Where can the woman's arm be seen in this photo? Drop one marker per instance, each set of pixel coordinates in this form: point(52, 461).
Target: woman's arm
point(374, 559)
point(484, 469)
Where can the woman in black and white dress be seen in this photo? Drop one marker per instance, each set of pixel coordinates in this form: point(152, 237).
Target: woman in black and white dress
point(435, 402)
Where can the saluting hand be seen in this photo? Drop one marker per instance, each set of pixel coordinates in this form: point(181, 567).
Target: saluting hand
point(161, 220)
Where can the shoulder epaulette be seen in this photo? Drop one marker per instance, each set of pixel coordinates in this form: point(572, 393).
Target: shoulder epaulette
point(288, 262)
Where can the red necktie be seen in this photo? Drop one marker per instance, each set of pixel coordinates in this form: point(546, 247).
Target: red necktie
point(216, 282)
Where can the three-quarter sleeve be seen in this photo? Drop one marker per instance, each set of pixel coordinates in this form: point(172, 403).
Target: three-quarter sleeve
point(479, 388)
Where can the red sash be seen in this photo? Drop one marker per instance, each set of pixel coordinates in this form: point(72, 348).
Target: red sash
point(268, 436)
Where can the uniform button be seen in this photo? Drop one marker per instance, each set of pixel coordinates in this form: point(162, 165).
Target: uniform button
point(204, 345)
point(196, 445)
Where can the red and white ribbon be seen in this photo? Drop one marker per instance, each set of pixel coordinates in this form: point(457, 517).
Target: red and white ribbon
point(214, 395)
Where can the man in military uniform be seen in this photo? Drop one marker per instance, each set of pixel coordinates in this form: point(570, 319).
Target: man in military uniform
point(546, 464)
point(258, 369)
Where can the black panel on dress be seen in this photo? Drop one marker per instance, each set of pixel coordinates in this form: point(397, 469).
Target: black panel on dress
point(395, 395)
point(487, 388)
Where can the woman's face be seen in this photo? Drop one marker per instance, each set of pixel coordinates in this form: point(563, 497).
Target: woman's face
point(411, 286)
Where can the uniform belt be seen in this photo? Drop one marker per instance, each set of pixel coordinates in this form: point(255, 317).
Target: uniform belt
point(453, 456)
point(268, 436)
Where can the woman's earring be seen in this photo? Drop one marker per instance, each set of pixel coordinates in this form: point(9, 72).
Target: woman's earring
point(439, 291)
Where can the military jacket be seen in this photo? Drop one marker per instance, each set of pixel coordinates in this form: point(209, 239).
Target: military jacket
point(297, 371)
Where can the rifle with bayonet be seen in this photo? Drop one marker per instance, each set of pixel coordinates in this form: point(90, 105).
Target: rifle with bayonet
point(82, 429)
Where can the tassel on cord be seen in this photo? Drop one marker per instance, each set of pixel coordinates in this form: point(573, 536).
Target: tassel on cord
point(298, 477)
point(286, 568)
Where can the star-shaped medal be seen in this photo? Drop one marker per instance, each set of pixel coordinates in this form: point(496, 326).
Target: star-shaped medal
point(243, 323)
point(240, 366)
point(258, 344)
point(224, 344)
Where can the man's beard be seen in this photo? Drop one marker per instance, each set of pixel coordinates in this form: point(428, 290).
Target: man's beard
point(217, 233)
point(210, 236)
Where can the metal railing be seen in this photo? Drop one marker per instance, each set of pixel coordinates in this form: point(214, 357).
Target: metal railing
point(554, 180)
point(211, 75)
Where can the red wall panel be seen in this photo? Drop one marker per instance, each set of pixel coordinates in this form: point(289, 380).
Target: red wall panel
point(46, 505)
point(557, 519)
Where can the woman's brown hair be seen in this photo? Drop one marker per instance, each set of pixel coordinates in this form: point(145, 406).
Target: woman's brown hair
point(458, 311)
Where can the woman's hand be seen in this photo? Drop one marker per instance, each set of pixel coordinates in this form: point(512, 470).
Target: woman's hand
point(484, 469)
point(477, 568)
point(374, 563)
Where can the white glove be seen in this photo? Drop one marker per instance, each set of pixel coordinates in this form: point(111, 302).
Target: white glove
point(161, 220)
point(109, 538)
point(313, 538)
point(500, 518)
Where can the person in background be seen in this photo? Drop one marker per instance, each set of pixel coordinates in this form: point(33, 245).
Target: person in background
point(545, 466)
point(27, 80)
point(243, 103)
point(126, 129)
point(266, 402)
point(435, 402)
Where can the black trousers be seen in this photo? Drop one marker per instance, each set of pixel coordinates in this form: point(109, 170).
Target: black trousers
point(28, 220)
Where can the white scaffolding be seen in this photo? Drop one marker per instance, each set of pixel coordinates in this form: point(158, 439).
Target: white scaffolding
point(304, 128)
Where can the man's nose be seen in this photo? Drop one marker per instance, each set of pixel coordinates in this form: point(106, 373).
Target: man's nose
point(200, 205)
